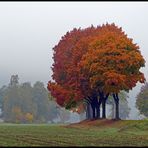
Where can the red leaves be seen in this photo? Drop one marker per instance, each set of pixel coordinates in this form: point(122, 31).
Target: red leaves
point(92, 59)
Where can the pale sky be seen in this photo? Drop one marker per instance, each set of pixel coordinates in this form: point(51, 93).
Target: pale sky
point(29, 31)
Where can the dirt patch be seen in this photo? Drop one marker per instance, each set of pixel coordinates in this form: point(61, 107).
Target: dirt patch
point(96, 123)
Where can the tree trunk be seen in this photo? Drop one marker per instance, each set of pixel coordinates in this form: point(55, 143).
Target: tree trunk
point(104, 98)
point(88, 111)
point(98, 111)
point(117, 109)
point(95, 105)
point(98, 107)
point(93, 108)
point(104, 108)
point(94, 113)
point(116, 99)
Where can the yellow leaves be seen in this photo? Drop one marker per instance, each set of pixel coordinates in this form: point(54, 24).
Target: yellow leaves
point(21, 116)
point(29, 117)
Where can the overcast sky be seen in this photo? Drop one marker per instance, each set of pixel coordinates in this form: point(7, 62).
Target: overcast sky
point(29, 31)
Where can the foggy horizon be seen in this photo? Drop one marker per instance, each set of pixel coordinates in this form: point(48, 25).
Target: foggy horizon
point(29, 31)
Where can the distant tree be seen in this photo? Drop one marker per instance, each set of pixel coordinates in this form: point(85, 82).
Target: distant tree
point(14, 80)
point(124, 109)
point(11, 99)
point(45, 107)
point(64, 115)
point(2, 94)
point(53, 111)
point(142, 100)
point(23, 103)
point(26, 98)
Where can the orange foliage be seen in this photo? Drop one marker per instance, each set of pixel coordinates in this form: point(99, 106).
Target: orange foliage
point(113, 61)
point(96, 58)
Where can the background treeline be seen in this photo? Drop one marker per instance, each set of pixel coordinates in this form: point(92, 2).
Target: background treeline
point(23, 103)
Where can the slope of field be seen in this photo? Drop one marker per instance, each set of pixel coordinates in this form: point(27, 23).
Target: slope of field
point(85, 133)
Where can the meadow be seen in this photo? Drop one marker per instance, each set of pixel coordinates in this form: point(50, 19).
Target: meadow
point(85, 133)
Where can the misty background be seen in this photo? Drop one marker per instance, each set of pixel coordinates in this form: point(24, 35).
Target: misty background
point(29, 31)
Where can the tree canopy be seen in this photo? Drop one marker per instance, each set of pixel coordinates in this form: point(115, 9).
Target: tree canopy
point(96, 61)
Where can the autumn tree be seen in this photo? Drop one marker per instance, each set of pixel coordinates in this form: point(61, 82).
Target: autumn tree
point(142, 100)
point(91, 64)
point(67, 54)
point(112, 64)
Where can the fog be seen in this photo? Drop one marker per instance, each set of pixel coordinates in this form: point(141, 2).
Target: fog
point(29, 31)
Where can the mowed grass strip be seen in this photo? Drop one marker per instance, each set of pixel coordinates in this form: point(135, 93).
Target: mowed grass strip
point(86, 133)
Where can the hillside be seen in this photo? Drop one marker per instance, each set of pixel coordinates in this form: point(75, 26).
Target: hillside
point(107, 123)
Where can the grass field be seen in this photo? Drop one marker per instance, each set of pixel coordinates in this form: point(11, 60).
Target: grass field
point(85, 133)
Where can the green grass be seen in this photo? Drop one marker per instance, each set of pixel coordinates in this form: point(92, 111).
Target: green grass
point(91, 133)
